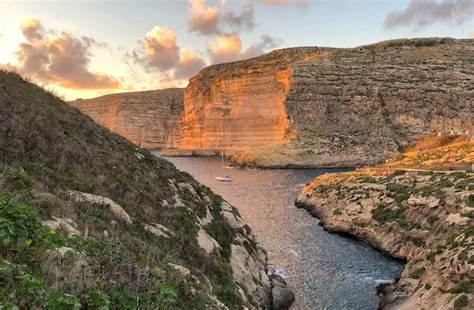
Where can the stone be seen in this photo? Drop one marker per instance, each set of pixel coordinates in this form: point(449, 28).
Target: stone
point(206, 242)
point(282, 296)
point(114, 208)
point(64, 225)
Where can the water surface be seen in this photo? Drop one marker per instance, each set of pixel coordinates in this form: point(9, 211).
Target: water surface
point(326, 271)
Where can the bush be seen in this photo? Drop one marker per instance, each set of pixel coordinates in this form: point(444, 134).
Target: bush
point(460, 302)
point(19, 223)
point(59, 301)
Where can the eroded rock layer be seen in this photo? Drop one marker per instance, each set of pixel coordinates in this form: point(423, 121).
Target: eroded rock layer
point(144, 118)
point(238, 106)
point(329, 107)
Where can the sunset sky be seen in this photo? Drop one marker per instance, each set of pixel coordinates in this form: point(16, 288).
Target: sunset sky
point(90, 48)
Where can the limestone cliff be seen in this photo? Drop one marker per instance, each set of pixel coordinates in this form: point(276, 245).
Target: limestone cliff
point(238, 106)
point(423, 217)
point(144, 118)
point(329, 107)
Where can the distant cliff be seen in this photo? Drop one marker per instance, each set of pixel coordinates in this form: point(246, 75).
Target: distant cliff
point(329, 107)
point(144, 118)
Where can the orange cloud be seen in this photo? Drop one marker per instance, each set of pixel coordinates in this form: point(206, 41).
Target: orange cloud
point(228, 48)
point(62, 59)
point(224, 49)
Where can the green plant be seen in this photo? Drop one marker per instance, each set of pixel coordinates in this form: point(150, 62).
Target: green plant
point(60, 301)
point(96, 299)
point(428, 286)
point(18, 177)
point(460, 302)
point(463, 287)
point(19, 222)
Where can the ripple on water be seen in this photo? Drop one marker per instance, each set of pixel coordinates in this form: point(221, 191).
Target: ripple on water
point(326, 271)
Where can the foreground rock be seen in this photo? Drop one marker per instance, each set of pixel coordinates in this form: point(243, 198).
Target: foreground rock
point(88, 220)
point(423, 217)
point(144, 118)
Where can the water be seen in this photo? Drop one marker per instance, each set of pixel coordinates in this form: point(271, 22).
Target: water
point(324, 270)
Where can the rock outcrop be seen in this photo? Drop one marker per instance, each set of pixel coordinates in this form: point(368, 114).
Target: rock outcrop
point(423, 217)
point(329, 107)
point(241, 105)
point(89, 220)
point(144, 118)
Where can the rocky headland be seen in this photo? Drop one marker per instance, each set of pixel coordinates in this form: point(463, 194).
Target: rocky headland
point(144, 118)
point(89, 220)
point(408, 211)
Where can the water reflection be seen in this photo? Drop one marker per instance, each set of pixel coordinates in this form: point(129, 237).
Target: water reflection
point(326, 271)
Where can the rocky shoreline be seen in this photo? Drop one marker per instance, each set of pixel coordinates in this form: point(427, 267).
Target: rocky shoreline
point(424, 218)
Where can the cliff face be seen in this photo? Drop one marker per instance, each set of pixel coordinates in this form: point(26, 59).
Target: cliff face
point(329, 107)
point(423, 217)
point(144, 118)
point(89, 220)
point(238, 106)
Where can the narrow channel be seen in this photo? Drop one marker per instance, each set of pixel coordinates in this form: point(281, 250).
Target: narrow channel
point(326, 271)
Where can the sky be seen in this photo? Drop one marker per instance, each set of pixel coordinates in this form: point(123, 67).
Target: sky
point(84, 49)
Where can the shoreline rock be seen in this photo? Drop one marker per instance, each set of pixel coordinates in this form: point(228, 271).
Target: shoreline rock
point(439, 253)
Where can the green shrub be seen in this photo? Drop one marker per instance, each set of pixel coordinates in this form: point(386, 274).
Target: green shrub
point(96, 299)
point(18, 178)
point(463, 287)
point(19, 222)
point(460, 302)
point(384, 213)
point(60, 301)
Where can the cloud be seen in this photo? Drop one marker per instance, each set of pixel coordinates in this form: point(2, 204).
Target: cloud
point(421, 13)
point(204, 20)
point(59, 58)
point(471, 35)
point(227, 48)
point(159, 51)
point(287, 2)
point(267, 42)
point(189, 64)
point(212, 20)
point(224, 49)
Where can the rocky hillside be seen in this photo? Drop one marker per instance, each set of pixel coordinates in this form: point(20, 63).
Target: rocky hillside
point(89, 220)
point(144, 118)
point(329, 107)
point(423, 217)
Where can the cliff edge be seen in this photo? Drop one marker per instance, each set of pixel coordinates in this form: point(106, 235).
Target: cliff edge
point(144, 118)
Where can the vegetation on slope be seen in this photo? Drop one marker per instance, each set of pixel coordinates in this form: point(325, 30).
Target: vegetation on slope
point(88, 220)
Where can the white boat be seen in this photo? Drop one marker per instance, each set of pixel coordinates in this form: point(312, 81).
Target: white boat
point(224, 178)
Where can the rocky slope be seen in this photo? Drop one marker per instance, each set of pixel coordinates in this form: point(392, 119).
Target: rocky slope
point(144, 118)
point(423, 217)
point(329, 107)
point(89, 220)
